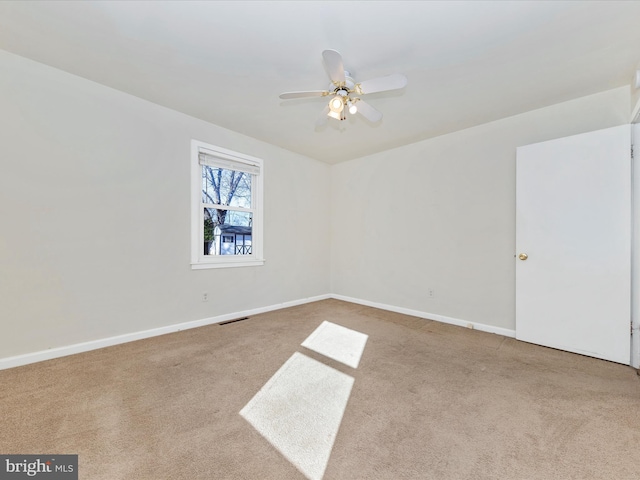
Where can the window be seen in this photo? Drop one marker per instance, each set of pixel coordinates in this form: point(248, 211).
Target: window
point(226, 208)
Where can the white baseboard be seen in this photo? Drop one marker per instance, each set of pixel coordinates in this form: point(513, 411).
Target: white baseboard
point(19, 360)
point(430, 316)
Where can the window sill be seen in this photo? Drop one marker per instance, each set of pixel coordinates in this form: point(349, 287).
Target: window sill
point(239, 263)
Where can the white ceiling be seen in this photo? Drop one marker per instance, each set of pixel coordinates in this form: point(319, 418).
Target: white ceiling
point(467, 62)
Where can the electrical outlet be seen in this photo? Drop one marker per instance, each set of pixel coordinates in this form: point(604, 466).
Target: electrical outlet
point(431, 292)
point(205, 297)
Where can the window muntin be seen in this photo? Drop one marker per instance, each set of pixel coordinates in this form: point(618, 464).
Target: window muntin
point(227, 210)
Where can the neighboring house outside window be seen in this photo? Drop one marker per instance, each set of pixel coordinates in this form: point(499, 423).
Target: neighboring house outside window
point(238, 243)
point(226, 208)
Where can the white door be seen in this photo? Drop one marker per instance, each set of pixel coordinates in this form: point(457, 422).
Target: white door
point(573, 223)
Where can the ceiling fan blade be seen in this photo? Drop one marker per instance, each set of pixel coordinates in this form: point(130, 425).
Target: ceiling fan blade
point(314, 93)
point(368, 112)
point(382, 84)
point(335, 68)
point(322, 119)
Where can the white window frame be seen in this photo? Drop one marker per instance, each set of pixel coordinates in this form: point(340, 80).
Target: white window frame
point(227, 160)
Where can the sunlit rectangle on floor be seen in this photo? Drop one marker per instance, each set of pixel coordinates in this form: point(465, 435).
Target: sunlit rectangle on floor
point(337, 342)
point(299, 411)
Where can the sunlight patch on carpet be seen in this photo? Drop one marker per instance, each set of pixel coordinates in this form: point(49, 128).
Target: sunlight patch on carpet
point(299, 411)
point(337, 342)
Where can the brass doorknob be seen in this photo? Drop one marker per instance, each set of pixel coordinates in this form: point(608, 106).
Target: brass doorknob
point(523, 256)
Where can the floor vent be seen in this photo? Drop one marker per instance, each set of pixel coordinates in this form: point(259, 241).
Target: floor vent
point(233, 321)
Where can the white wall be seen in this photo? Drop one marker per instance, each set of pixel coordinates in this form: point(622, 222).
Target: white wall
point(454, 197)
point(94, 216)
point(94, 212)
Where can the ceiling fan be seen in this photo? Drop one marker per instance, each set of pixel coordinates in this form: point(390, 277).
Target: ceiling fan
point(344, 91)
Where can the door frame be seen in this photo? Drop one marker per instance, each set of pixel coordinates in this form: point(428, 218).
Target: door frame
point(635, 251)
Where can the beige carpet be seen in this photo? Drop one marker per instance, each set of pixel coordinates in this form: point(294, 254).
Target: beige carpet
point(427, 401)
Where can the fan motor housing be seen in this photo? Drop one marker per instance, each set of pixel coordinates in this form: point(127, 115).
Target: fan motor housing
point(349, 83)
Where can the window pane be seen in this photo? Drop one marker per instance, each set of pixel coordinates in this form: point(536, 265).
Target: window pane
point(227, 232)
point(226, 187)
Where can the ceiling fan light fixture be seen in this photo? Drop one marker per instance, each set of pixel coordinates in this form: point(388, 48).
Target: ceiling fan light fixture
point(343, 85)
point(333, 114)
point(336, 104)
